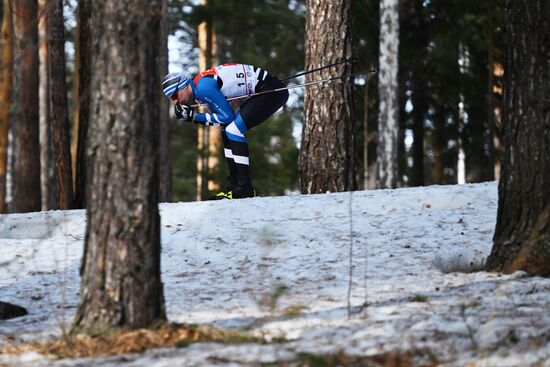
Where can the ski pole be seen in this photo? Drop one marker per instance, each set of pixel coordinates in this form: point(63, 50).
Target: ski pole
point(352, 60)
point(372, 71)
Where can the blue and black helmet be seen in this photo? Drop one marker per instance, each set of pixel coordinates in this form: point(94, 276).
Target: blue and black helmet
point(174, 82)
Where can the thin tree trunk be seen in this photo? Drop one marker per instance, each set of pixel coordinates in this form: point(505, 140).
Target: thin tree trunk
point(522, 233)
point(47, 180)
point(121, 284)
point(419, 113)
point(388, 118)
point(59, 105)
point(326, 154)
point(26, 148)
point(366, 136)
point(76, 100)
point(6, 75)
point(489, 141)
point(83, 101)
point(438, 146)
point(209, 139)
point(415, 22)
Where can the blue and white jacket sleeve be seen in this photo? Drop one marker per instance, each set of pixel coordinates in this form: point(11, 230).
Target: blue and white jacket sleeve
point(222, 113)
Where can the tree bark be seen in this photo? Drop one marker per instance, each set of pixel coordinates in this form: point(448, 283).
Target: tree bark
point(388, 118)
point(83, 100)
point(6, 89)
point(58, 105)
point(522, 233)
point(26, 151)
point(121, 284)
point(326, 154)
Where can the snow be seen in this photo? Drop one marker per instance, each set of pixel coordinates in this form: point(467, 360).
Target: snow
point(280, 267)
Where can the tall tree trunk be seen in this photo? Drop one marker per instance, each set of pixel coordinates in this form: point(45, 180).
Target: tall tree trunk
point(388, 118)
point(76, 96)
point(438, 145)
point(419, 113)
point(121, 285)
point(47, 180)
point(491, 104)
point(26, 148)
point(209, 139)
point(58, 105)
point(366, 136)
point(83, 100)
point(474, 133)
point(165, 165)
point(6, 76)
point(522, 233)
point(326, 154)
point(417, 34)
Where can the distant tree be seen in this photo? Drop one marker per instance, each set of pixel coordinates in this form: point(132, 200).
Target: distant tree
point(366, 27)
point(47, 179)
point(58, 105)
point(26, 152)
point(6, 89)
point(121, 285)
point(522, 233)
point(413, 47)
point(82, 102)
point(388, 118)
point(326, 152)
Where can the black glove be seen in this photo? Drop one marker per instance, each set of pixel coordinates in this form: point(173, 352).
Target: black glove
point(184, 112)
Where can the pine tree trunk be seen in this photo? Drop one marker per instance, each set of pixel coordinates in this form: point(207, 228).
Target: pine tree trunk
point(326, 154)
point(388, 118)
point(121, 284)
point(522, 233)
point(419, 113)
point(209, 140)
point(418, 35)
point(366, 136)
point(75, 97)
point(26, 148)
point(6, 75)
point(58, 105)
point(438, 145)
point(83, 101)
point(47, 179)
point(491, 104)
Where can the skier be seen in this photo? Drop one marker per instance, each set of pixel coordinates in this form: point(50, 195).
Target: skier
point(212, 87)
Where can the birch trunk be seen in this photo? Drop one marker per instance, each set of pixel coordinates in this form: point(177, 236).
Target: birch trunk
point(388, 118)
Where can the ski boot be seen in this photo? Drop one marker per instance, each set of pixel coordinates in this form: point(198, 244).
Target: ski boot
point(227, 192)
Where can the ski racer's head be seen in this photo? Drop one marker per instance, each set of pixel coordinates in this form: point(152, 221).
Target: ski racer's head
point(178, 87)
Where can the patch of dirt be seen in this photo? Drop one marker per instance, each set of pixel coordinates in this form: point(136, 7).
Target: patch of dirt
point(130, 341)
